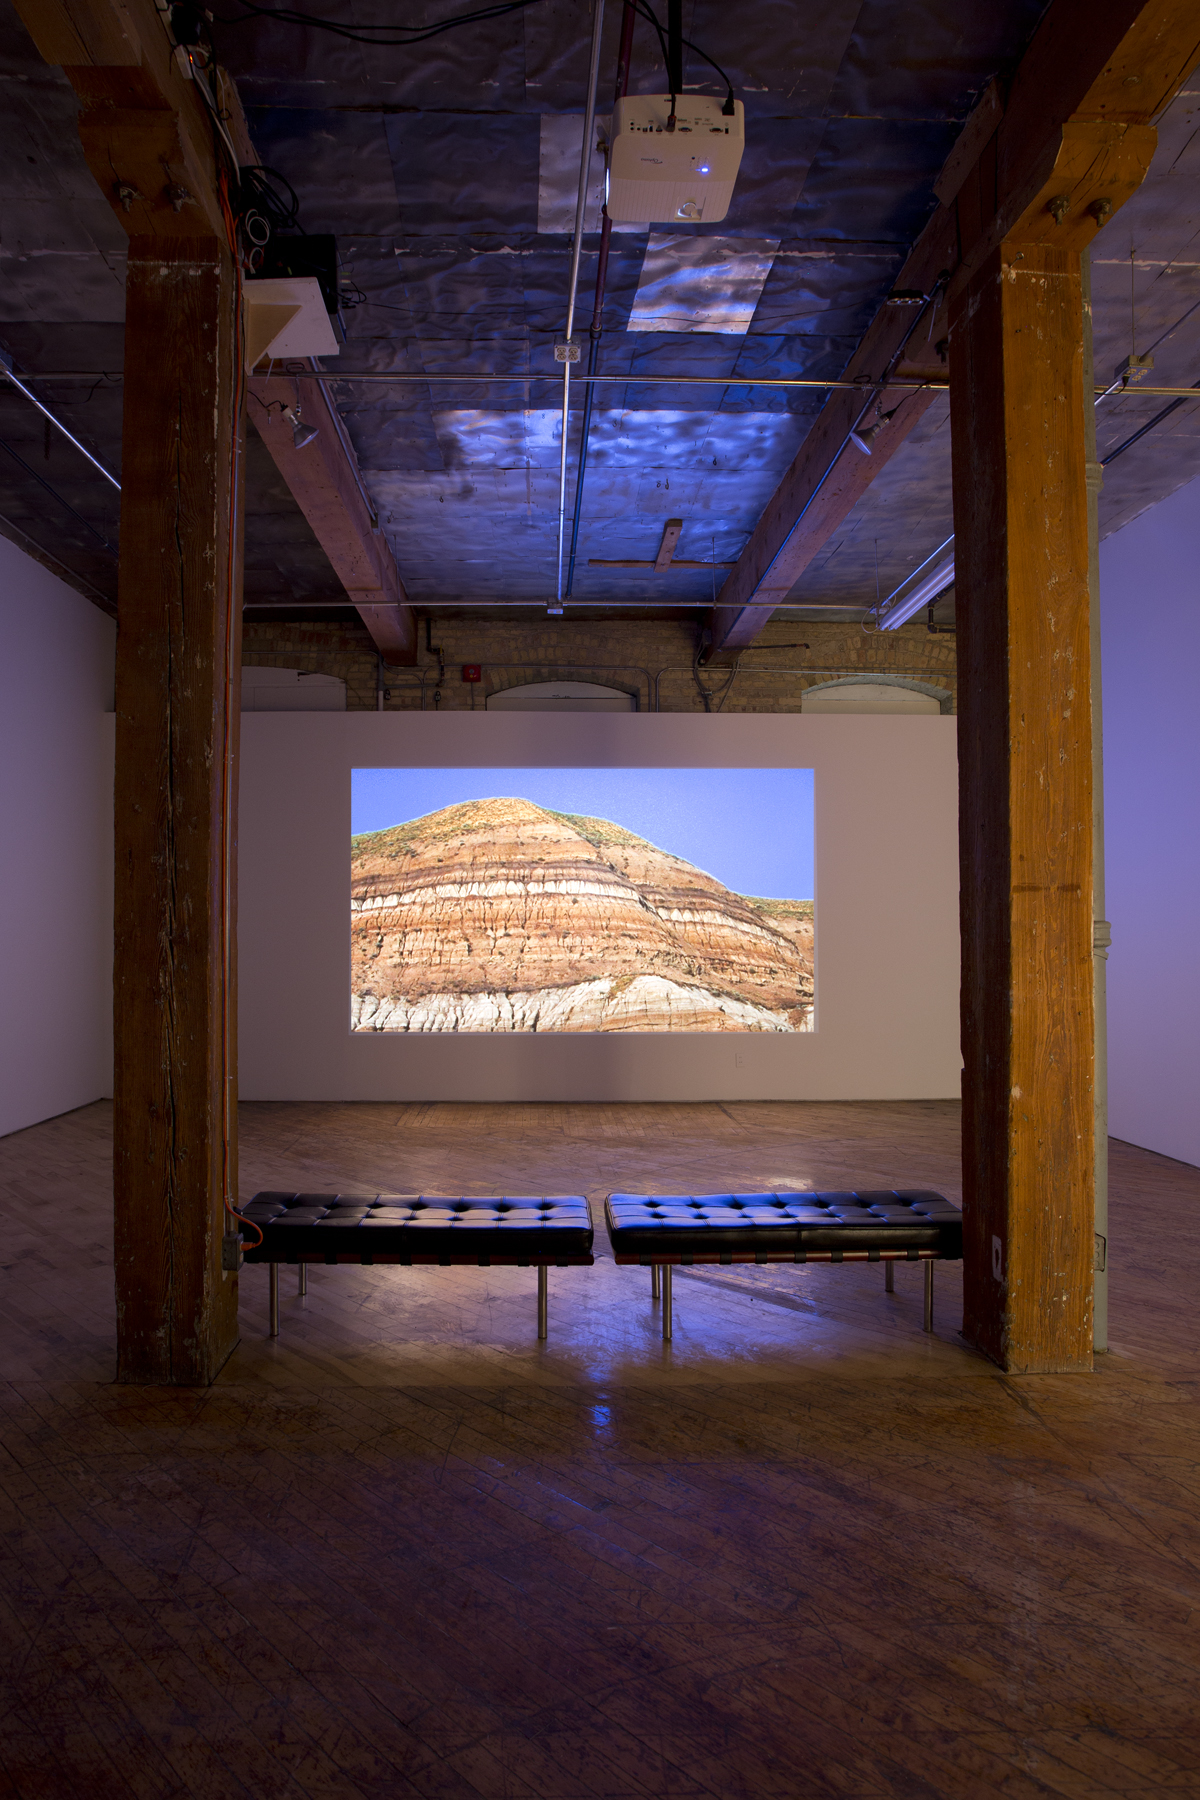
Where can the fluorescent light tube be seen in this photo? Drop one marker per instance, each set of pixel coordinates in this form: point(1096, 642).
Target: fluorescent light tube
point(899, 611)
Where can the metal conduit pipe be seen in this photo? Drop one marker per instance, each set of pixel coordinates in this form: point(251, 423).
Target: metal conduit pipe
point(585, 158)
point(6, 370)
point(624, 57)
point(522, 378)
point(339, 425)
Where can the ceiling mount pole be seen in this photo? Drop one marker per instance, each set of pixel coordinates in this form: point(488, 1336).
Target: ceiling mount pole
point(585, 159)
point(674, 55)
point(624, 58)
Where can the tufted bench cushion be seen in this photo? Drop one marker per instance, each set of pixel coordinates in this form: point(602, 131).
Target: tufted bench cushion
point(524, 1230)
point(885, 1225)
point(421, 1228)
point(784, 1227)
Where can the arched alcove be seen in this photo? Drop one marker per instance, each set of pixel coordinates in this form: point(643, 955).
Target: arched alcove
point(562, 696)
point(893, 694)
point(291, 690)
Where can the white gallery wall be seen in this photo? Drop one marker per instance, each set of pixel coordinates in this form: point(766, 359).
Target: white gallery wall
point(886, 912)
point(56, 688)
point(1150, 640)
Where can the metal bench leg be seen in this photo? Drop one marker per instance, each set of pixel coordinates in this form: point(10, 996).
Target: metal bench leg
point(666, 1301)
point(543, 1286)
point(889, 1278)
point(274, 1326)
point(654, 1281)
point(303, 1288)
point(929, 1295)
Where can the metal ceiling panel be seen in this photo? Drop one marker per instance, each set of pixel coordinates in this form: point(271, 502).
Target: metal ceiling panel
point(468, 172)
point(775, 165)
point(62, 253)
point(782, 58)
point(684, 353)
point(285, 65)
point(824, 290)
point(901, 63)
point(560, 143)
point(475, 439)
point(872, 179)
point(392, 438)
point(456, 290)
point(559, 146)
point(340, 159)
point(707, 284)
point(631, 440)
point(556, 41)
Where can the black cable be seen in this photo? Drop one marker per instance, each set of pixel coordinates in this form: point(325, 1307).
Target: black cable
point(397, 37)
point(1148, 426)
point(17, 457)
point(674, 54)
point(647, 13)
point(255, 189)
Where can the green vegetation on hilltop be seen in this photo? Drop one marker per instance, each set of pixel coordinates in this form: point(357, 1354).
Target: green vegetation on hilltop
point(780, 909)
point(436, 827)
point(602, 833)
point(398, 841)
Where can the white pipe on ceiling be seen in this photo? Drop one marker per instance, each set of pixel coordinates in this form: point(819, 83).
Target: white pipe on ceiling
point(6, 370)
point(585, 163)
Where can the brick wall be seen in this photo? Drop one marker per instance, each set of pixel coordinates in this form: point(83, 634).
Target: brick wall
point(651, 657)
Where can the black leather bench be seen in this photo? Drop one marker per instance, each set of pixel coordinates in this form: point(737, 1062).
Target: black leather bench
point(539, 1231)
point(891, 1225)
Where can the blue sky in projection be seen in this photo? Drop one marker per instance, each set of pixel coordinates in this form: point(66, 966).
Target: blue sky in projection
point(751, 828)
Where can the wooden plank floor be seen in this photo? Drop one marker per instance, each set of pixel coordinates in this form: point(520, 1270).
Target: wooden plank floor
point(804, 1550)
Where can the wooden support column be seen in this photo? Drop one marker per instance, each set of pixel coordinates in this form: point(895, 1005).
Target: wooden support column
point(178, 708)
point(1025, 810)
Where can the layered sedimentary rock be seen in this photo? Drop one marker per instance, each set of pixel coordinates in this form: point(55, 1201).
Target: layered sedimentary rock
point(499, 915)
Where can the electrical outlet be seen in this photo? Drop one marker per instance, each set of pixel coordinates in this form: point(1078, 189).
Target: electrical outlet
point(739, 1059)
point(231, 1250)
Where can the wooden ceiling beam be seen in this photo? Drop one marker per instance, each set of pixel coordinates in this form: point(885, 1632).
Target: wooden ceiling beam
point(148, 138)
point(325, 482)
point(146, 132)
point(1048, 163)
point(672, 531)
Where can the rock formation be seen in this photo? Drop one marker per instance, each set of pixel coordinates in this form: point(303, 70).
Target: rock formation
point(499, 915)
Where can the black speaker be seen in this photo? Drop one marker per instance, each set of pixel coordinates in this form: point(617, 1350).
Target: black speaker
point(305, 255)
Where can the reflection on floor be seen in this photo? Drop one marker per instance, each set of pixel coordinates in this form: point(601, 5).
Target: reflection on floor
point(405, 1549)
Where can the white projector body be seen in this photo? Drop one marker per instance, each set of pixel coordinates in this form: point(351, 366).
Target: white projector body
point(686, 175)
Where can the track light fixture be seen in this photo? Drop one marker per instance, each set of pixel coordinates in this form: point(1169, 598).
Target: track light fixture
point(301, 434)
point(863, 438)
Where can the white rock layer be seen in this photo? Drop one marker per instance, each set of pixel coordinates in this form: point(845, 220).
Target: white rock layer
point(645, 1003)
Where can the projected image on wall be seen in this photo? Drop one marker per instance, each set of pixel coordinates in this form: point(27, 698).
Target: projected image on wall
point(519, 900)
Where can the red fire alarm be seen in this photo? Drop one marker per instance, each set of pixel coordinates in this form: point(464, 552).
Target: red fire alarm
point(472, 672)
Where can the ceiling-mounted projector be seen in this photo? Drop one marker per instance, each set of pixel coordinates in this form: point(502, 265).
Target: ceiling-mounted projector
point(686, 175)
